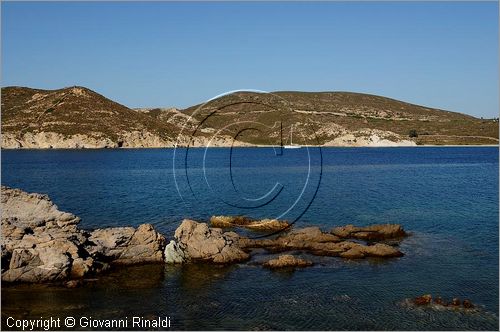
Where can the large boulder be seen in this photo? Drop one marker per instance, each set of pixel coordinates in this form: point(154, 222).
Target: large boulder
point(197, 242)
point(47, 264)
point(39, 242)
point(33, 209)
point(127, 245)
point(174, 254)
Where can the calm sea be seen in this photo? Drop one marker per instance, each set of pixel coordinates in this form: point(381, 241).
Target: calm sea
point(448, 199)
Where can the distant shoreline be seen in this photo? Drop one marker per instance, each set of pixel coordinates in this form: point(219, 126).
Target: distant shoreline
point(254, 146)
point(38, 119)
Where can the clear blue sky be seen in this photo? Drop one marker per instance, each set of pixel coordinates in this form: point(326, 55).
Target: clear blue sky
point(442, 55)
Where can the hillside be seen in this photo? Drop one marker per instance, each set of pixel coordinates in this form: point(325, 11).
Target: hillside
point(77, 117)
point(339, 118)
point(59, 114)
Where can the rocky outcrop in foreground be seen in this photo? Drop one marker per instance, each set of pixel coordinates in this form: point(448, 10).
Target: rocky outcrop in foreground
point(197, 242)
point(41, 244)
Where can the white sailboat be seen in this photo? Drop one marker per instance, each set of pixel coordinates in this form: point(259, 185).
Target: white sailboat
point(291, 146)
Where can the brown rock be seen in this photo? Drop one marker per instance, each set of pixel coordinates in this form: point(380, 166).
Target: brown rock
point(309, 234)
point(455, 302)
point(309, 238)
point(38, 265)
point(74, 283)
point(39, 242)
point(284, 261)
point(439, 301)
point(313, 240)
point(370, 233)
point(241, 221)
point(423, 300)
point(81, 267)
point(198, 242)
point(356, 251)
point(127, 245)
point(381, 250)
point(344, 231)
point(378, 250)
point(468, 304)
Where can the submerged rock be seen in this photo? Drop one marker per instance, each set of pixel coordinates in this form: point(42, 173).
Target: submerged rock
point(241, 221)
point(287, 261)
point(74, 283)
point(455, 303)
point(423, 300)
point(40, 243)
point(468, 304)
point(370, 233)
point(439, 301)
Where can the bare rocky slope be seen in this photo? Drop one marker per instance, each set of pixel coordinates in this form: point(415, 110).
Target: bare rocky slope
point(78, 117)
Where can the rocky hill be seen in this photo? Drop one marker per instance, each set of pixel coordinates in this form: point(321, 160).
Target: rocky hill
point(77, 117)
point(343, 119)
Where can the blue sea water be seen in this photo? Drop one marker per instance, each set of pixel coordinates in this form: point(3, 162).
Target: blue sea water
point(447, 197)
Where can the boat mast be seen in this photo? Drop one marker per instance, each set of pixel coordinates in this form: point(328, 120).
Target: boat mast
point(281, 134)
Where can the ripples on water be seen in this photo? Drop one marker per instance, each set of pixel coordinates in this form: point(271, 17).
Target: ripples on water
point(447, 197)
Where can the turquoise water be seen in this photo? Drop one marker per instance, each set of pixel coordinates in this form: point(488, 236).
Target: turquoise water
point(446, 197)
